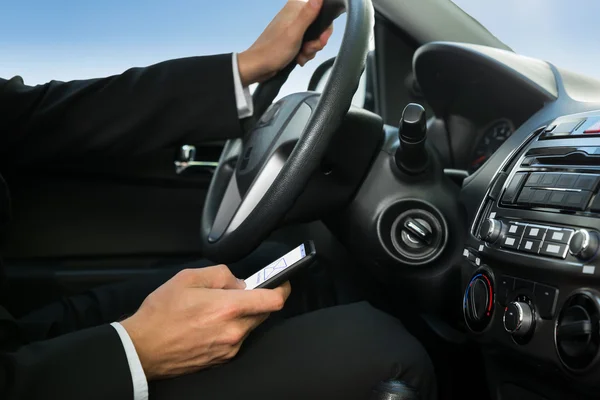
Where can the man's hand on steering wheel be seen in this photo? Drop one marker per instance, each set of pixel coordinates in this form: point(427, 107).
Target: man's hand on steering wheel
point(281, 42)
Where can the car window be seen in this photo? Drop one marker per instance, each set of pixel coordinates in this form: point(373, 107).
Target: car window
point(72, 39)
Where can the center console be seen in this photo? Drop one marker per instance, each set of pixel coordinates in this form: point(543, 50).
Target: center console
point(531, 273)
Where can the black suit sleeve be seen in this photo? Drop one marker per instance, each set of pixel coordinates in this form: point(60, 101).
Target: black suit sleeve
point(89, 364)
point(188, 100)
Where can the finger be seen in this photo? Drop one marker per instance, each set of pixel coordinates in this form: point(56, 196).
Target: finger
point(285, 290)
point(252, 322)
point(325, 36)
point(259, 301)
point(302, 60)
point(217, 277)
point(307, 15)
point(308, 57)
point(312, 46)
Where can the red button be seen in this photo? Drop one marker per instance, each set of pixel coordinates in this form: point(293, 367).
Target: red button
point(594, 128)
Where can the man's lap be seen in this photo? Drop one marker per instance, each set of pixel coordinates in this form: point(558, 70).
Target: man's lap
point(338, 352)
point(322, 354)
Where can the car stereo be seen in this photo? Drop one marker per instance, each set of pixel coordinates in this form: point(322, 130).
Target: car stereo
point(532, 265)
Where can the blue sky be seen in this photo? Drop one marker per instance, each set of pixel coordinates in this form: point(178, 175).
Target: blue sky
point(564, 32)
point(73, 39)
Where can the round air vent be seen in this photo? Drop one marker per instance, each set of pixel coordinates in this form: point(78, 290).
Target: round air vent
point(577, 331)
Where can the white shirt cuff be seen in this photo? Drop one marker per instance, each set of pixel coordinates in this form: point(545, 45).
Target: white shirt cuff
point(243, 98)
point(140, 384)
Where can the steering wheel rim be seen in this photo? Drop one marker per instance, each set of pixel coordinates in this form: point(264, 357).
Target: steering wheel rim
point(240, 211)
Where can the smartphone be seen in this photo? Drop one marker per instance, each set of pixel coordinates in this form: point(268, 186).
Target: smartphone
point(282, 269)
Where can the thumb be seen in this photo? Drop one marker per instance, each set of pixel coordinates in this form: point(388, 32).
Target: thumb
point(217, 277)
point(308, 14)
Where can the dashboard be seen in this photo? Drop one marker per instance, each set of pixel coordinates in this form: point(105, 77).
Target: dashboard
point(530, 268)
point(489, 141)
point(511, 259)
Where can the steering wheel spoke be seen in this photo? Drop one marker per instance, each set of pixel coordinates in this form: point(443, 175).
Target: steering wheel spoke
point(283, 148)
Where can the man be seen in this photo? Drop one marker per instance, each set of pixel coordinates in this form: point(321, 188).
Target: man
point(96, 345)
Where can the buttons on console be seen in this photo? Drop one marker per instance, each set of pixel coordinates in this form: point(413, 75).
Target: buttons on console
point(515, 230)
point(511, 242)
point(534, 179)
point(530, 246)
point(578, 200)
point(587, 182)
point(525, 196)
point(557, 199)
point(567, 181)
point(556, 250)
point(559, 235)
point(550, 179)
point(534, 232)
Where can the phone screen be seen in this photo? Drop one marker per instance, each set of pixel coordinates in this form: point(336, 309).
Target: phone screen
point(276, 267)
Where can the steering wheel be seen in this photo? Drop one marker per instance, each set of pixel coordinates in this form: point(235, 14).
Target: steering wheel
point(260, 176)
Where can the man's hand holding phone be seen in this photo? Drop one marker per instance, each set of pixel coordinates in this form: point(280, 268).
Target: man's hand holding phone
point(198, 319)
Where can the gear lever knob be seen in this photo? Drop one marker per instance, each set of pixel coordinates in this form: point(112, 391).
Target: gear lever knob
point(412, 156)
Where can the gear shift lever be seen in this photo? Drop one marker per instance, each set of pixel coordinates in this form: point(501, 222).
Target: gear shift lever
point(412, 157)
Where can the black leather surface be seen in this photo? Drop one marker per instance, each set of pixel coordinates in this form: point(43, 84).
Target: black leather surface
point(306, 157)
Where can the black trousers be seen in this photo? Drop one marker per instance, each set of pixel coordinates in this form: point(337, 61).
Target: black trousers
point(333, 353)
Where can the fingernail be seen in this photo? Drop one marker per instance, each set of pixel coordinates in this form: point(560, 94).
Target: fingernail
point(242, 283)
point(315, 3)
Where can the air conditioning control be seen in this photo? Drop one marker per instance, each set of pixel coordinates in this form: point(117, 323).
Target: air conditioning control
point(584, 245)
point(478, 303)
point(518, 319)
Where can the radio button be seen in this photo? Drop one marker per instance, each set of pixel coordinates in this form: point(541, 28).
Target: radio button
point(533, 232)
point(551, 249)
point(559, 236)
point(510, 242)
point(525, 196)
point(557, 199)
point(535, 179)
point(550, 179)
point(587, 182)
point(515, 230)
point(540, 198)
point(578, 201)
point(530, 246)
point(567, 181)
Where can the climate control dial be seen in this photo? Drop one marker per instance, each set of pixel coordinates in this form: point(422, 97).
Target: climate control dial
point(518, 318)
point(478, 303)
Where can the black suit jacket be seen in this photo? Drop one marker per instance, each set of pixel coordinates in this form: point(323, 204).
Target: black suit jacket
point(69, 354)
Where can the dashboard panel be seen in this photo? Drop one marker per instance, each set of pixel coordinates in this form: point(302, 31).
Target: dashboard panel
point(530, 269)
point(489, 140)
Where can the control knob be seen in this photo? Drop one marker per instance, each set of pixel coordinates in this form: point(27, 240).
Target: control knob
point(584, 244)
point(478, 302)
point(491, 230)
point(518, 318)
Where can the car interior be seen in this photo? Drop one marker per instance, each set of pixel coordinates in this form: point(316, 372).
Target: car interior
point(443, 177)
